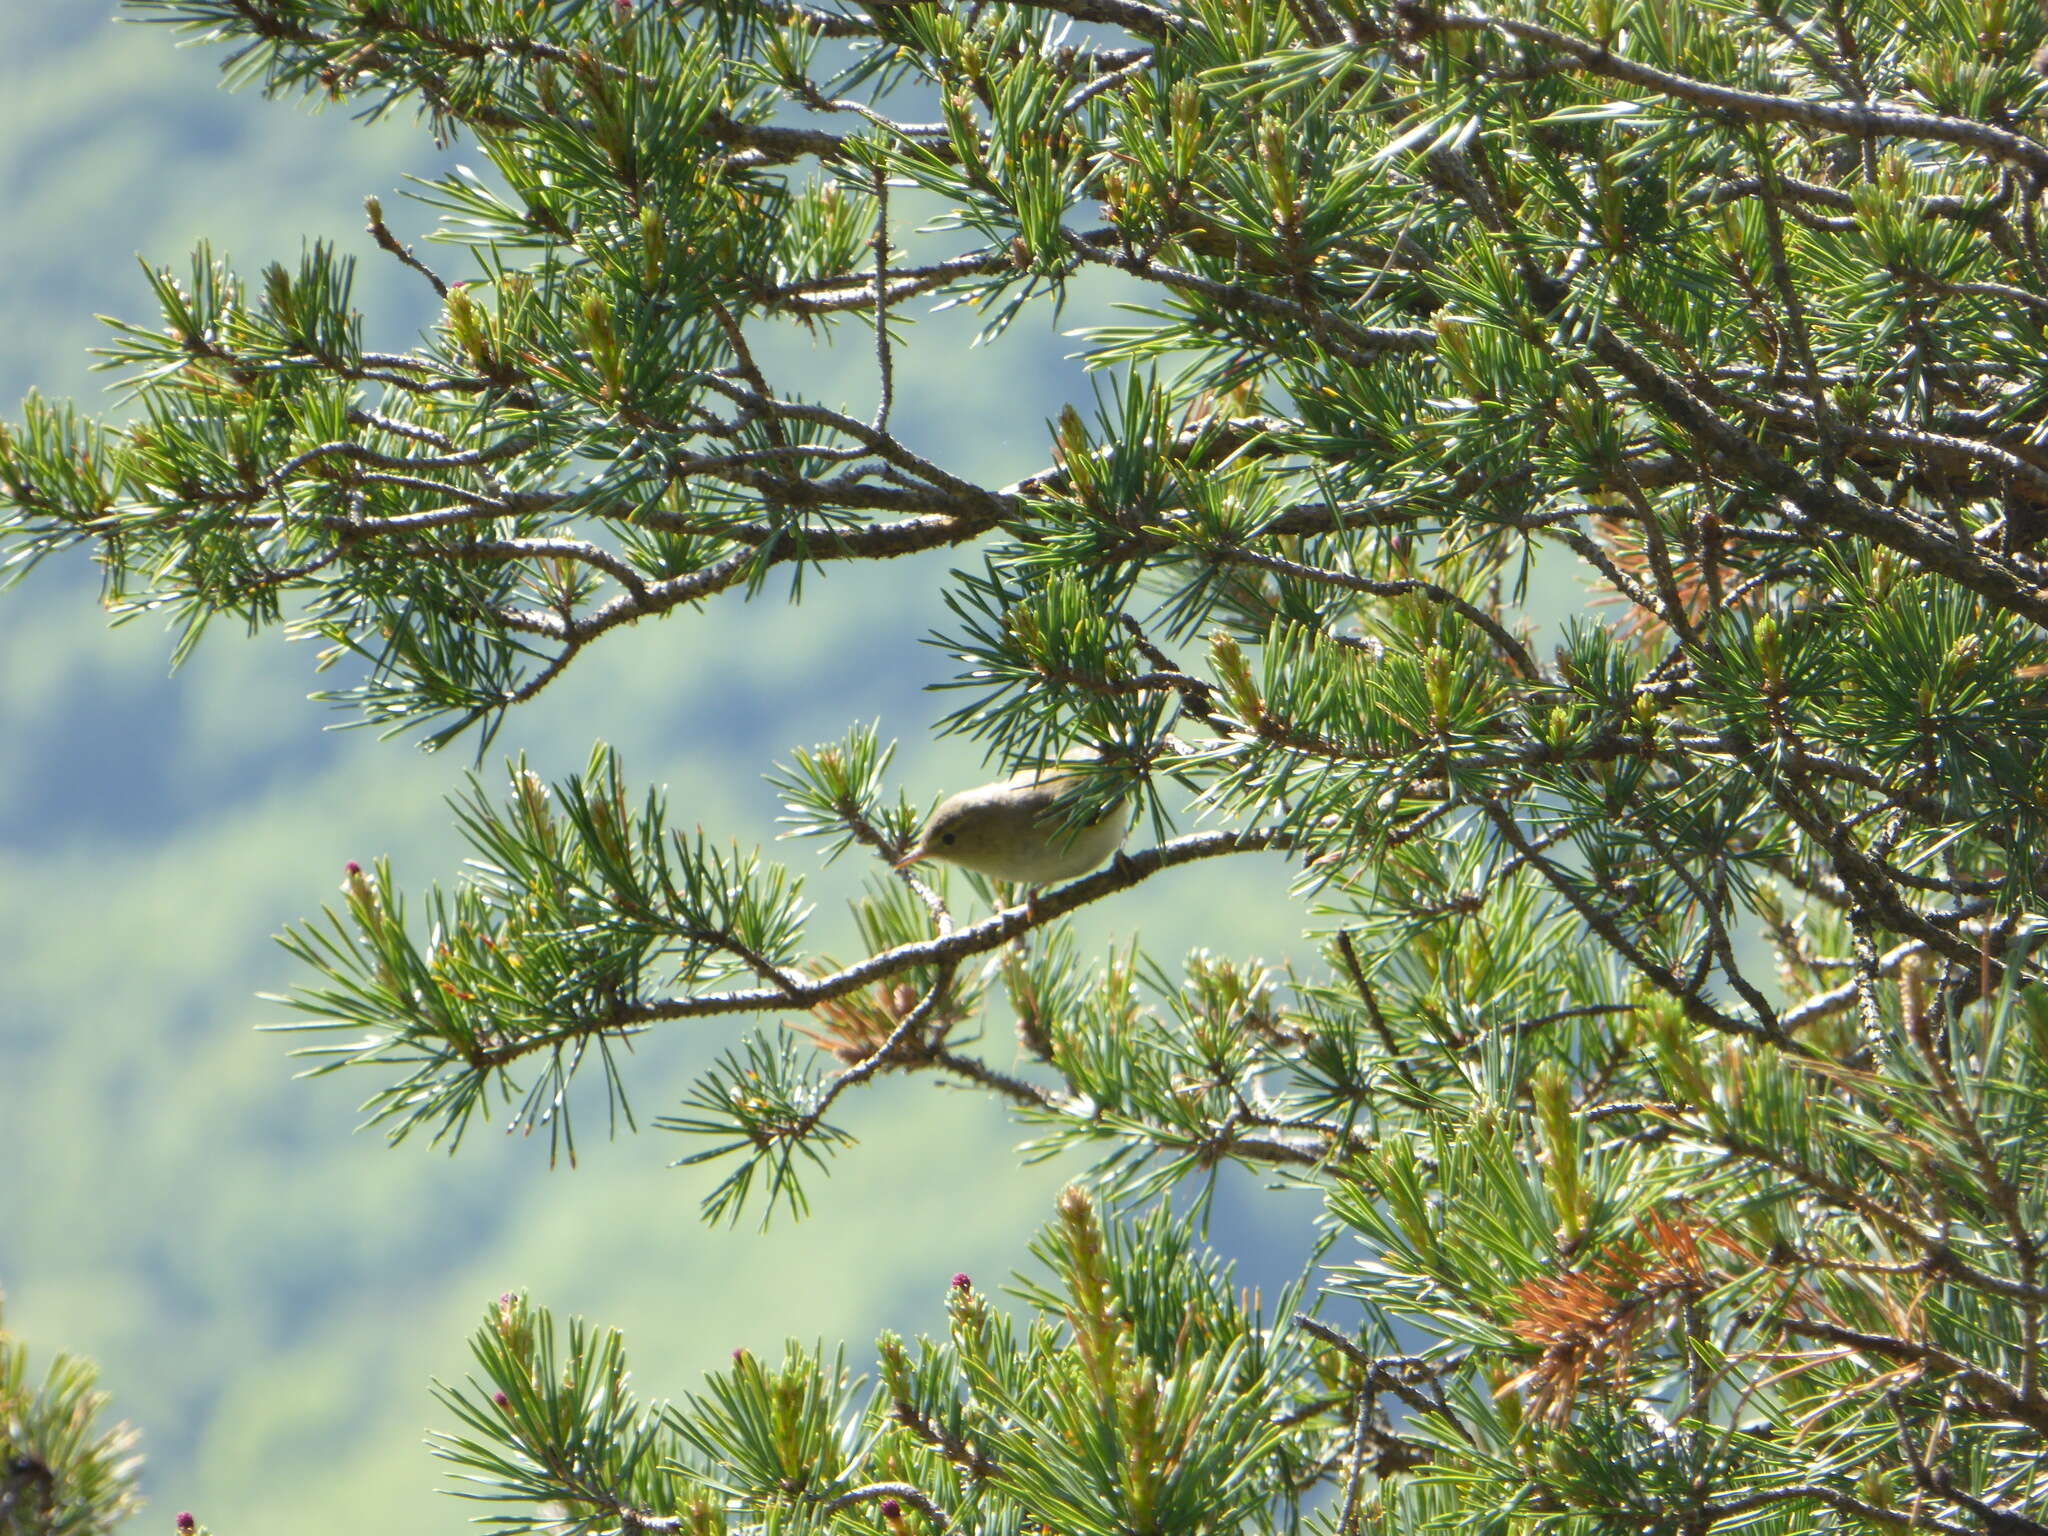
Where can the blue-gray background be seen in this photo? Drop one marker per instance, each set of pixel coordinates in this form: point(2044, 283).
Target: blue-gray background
point(267, 1292)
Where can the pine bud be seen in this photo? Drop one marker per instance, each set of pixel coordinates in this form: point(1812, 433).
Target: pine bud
point(967, 1311)
point(1070, 442)
point(1184, 127)
point(1227, 657)
point(1677, 1055)
point(1436, 677)
point(654, 241)
point(598, 332)
point(1454, 351)
point(362, 895)
point(1551, 1090)
point(894, 1359)
point(1770, 653)
point(1274, 152)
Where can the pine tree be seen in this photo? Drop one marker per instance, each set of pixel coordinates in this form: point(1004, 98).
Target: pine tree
point(1675, 1073)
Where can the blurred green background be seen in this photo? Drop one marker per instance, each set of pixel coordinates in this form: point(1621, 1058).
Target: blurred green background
point(267, 1292)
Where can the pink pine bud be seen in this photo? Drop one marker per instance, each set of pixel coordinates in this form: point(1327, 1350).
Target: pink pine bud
point(186, 1523)
point(501, 1399)
point(962, 1283)
point(891, 1510)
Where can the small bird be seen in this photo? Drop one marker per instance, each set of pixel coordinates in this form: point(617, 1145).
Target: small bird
point(1015, 830)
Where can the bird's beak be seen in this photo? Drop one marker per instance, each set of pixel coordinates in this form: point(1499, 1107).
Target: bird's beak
point(915, 856)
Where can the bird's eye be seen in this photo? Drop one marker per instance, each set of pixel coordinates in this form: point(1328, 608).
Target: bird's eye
point(947, 839)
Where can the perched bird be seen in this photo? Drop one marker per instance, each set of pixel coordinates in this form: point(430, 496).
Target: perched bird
point(1015, 830)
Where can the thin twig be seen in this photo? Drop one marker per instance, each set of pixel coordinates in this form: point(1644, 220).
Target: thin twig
point(885, 357)
point(381, 233)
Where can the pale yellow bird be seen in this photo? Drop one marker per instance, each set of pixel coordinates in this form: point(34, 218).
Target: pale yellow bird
point(1015, 830)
